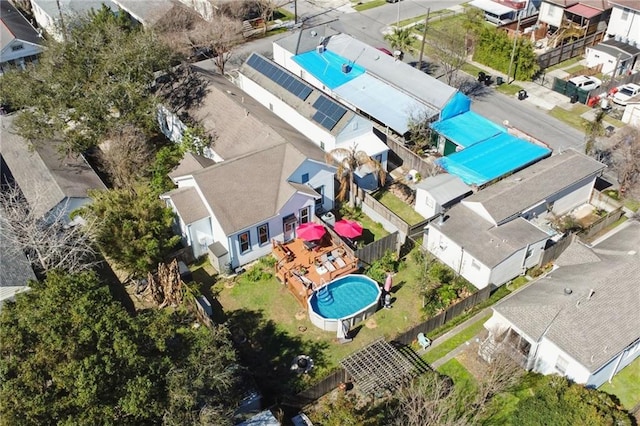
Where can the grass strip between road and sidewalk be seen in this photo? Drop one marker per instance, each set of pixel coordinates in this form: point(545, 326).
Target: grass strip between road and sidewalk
point(456, 340)
point(369, 5)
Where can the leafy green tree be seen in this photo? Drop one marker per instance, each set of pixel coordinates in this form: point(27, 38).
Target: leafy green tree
point(400, 39)
point(133, 228)
point(70, 354)
point(100, 78)
point(494, 49)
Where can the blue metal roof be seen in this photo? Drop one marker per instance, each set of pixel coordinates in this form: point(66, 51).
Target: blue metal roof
point(492, 158)
point(328, 67)
point(467, 129)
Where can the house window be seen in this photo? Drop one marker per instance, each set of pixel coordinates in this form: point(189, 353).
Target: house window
point(625, 14)
point(429, 201)
point(263, 234)
point(305, 177)
point(245, 242)
point(17, 47)
point(475, 265)
point(322, 145)
point(561, 365)
point(304, 215)
point(319, 201)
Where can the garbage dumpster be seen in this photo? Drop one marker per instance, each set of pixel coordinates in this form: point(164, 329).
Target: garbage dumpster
point(481, 76)
point(487, 80)
point(522, 95)
point(499, 80)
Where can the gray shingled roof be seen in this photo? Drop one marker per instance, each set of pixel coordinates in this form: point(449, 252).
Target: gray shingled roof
point(590, 330)
point(534, 184)
point(188, 204)
point(44, 177)
point(15, 26)
point(149, 12)
point(189, 164)
point(303, 107)
point(15, 270)
point(614, 48)
point(484, 241)
point(241, 125)
point(444, 187)
point(247, 190)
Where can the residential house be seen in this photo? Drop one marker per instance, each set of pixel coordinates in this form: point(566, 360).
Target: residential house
point(436, 194)
point(573, 19)
point(502, 230)
point(20, 43)
point(52, 184)
point(327, 123)
point(149, 12)
point(504, 11)
point(362, 77)
point(581, 320)
point(618, 53)
point(52, 14)
point(15, 270)
point(233, 210)
point(631, 113)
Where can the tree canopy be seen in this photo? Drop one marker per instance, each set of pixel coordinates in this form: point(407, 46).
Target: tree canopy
point(70, 354)
point(99, 78)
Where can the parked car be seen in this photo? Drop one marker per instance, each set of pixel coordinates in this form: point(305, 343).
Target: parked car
point(586, 83)
point(626, 92)
point(385, 51)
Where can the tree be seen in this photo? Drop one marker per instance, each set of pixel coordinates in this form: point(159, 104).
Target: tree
point(126, 156)
point(593, 130)
point(51, 243)
point(217, 38)
point(70, 354)
point(400, 39)
point(265, 10)
point(494, 48)
point(133, 228)
point(348, 161)
point(449, 48)
point(624, 157)
point(99, 79)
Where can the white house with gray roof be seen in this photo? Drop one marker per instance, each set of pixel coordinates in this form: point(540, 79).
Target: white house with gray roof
point(437, 193)
point(498, 233)
point(231, 211)
point(47, 13)
point(15, 269)
point(582, 320)
point(382, 87)
point(20, 43)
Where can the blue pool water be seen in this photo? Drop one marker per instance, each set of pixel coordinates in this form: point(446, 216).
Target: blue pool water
point(345, 297)
point(327, 67)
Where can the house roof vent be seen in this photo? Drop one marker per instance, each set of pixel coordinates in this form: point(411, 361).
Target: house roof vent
point(567, 291)
point(591, 293)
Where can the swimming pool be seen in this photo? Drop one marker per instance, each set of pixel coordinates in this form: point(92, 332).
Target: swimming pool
point(352, 298)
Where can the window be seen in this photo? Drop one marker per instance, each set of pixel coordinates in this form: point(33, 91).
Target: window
point(305, 177)
point(561, 365)
point(322, 145)
point(245, 242)
point(474, 264)
point(429, 201)
point(304, 215)
point(17, 47)
point(263, 234)
point(319, 201)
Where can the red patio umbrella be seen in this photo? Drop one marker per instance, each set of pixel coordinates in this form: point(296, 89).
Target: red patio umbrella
point(348, 228)
point(310, 231)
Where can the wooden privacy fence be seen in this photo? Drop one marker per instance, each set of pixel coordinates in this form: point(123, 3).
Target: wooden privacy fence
point(326, 385)
point(377, 249)
point(568, 51)
point(383, 213)
point(552, 252)
point(410, 160)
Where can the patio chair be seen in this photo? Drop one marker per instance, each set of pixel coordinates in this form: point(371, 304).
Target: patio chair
point(423, 341)
point(329, 266)
point(340, 262)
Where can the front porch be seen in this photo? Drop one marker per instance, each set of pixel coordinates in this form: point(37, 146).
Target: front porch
point(304, 267)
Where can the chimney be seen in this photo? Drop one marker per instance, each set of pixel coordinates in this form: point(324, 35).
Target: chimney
point(591, 293)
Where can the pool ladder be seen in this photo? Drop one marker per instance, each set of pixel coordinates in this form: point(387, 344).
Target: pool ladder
point(324, 296)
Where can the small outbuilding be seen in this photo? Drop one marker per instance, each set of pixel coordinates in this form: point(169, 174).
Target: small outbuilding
point(436, 193)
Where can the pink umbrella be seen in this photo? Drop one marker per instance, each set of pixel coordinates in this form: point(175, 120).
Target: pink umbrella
point(388, 283)
point(348, 228)
point(310, 231)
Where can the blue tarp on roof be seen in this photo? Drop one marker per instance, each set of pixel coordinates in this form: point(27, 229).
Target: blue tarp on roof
point(459, 104)
point(467, 129)
point(492, 158)
point(327, 67)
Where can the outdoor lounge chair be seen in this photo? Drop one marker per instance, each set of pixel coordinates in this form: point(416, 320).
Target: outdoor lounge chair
point(423, 341)
point(329, 266)
point(340, 262)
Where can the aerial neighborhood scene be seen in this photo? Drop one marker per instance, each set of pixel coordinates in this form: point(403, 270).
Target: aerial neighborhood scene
point(320, 212)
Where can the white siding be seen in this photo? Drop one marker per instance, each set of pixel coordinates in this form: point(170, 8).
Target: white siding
point(572, 197)
point(628, 28)
point(479, 209)
point(200, 235)
point(320, 175)
point(551, 14)
point(547, 358)
point(597, 57)
point(517, 264)
point(358, 126)
point(425, 204)
point(632, 114)
point(45, 21)
point(27, 49)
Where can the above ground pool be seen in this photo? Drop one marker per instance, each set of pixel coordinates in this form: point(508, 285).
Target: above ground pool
point(350, 298)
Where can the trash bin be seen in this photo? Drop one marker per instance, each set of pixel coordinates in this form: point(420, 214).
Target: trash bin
point(481, 76)
point(522, 95)
point(499, 80)
point(574, 98)
point(487, 80)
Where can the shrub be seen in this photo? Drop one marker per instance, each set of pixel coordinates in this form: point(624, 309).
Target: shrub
point(388, 263)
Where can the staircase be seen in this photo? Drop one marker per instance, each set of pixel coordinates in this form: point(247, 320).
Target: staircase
point(324, 296)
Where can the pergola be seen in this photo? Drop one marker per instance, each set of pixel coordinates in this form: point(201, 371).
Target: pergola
point(379, 367)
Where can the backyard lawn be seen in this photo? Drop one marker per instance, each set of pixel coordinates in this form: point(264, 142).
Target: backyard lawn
point(459, 374)
point(453, 342)
point(399, 207)
point(626, 385)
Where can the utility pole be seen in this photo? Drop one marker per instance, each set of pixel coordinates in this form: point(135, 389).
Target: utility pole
point(398, 16)
point(424, 38)
point(513, 51)
point(295, 12)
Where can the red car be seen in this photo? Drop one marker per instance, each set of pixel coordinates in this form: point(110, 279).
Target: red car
point(383, 50)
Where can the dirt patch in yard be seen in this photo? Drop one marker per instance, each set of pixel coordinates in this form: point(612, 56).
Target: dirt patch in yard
point(470, 359)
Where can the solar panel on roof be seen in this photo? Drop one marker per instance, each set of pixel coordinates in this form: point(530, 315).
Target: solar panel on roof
point(279, 76)
point(328, 112)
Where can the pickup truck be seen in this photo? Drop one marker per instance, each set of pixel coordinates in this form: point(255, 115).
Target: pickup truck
point(586, 83)
point(626, 92)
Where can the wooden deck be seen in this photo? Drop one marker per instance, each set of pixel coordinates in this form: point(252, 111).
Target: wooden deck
point(302, 269)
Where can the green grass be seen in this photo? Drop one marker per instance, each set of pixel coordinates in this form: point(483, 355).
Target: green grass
point(517, 283)
point(633, 205)
point(471, 69)
point(399, 207)
point(574, 69)
point(369, 5)
point(565, 64)
point(453, 342)
point(508, 89)
point(626, 385)
point(572, 118)
point(461, 377)
point(613, 121)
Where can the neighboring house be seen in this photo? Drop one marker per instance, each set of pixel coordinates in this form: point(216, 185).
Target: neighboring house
point(51, 184)
point(48, 13)
point(438, 193)
point(326, 122)
point(233, 210)
point(616, 56)
point(20, 43)
point(581, 320)
point(15, 269)
point(573, 19)
point(624, 23)
point(501, 12)
point(148, 12)
point(499, 232)
point(631, 114)
point(362, 77)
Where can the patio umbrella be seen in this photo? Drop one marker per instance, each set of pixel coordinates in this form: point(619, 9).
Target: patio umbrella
point(348, 228)
point(310, 231)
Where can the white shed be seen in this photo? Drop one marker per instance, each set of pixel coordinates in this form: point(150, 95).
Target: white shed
point(436, 193)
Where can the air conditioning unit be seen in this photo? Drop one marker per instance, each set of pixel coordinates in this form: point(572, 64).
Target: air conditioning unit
point(320, 48)
point(346, 68)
